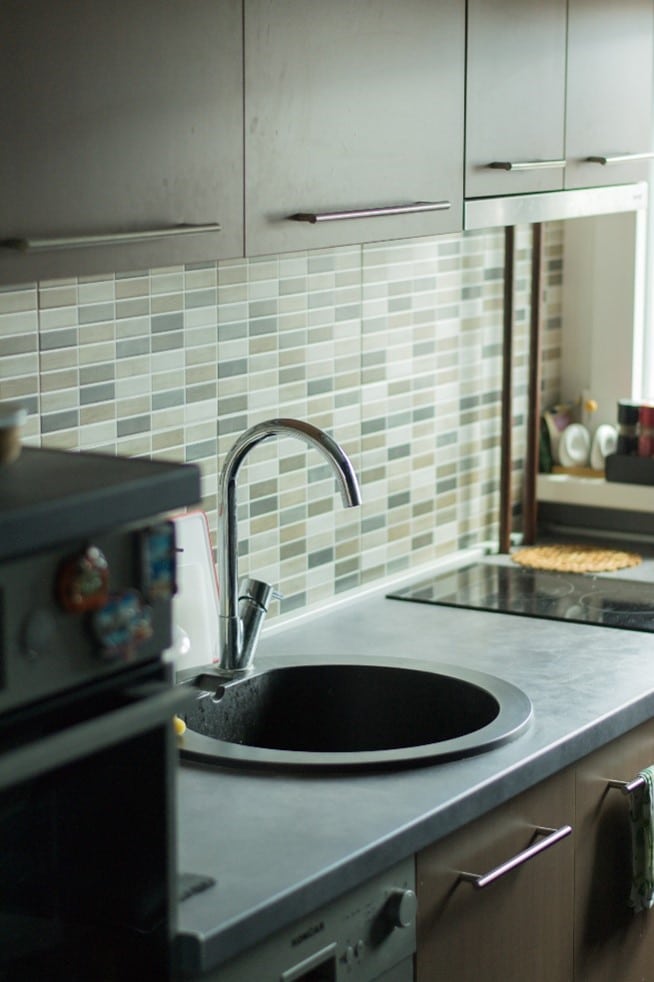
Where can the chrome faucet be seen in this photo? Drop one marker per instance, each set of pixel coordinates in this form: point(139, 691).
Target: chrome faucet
point(242, 610)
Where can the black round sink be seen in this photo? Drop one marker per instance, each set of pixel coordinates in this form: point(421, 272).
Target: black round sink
point(345, 714)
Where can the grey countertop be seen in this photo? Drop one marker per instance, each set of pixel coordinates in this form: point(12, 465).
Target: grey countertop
point(280, 845)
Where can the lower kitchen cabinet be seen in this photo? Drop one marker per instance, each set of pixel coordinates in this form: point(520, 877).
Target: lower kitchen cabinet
point(611, 941)
point(521, 925)
point(564, 913)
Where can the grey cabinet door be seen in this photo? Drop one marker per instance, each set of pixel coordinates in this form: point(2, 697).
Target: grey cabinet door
point(516, 928)
point(351, 107)
point(119, 117)
point(611, 941)
point(609, 103)
point(515, 96)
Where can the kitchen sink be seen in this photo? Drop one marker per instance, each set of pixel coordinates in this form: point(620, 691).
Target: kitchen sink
point(345, 714)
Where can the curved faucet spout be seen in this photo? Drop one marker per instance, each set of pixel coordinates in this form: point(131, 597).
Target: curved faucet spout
point(241, 617)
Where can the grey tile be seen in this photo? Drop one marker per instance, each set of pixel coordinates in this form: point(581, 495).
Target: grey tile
point(295, 602)
point(321, 298)
point(200, 451)
point(65, 338)
point(263, 325)
point(201, 298)
point(320, 557)
point(233, 331)
point(290, 550)
point(90, 374)
point(232, 424)
point(229, 369)
point(96, 312)
point(264, 505)
point(161, 323)
point(18, 344)
point(131, 347)
point(345, 583)
point(321, 264)
point(135, 424)
point(166, 400)
point(168, 341)
point(103, 392)
point(399, 500)
point(201, 393)
point(52, 422)
point(289, 516)
point(373, 523)
point(262, 308)
point(320, 386)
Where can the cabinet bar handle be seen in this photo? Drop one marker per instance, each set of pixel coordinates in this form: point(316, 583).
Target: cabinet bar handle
point(339, 216)
point(527, 164)
point(108, 238)
point(628, 787)
point(619, 158)
point(552, 836)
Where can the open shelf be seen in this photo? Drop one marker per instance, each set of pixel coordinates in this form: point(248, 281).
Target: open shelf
point(594, 492)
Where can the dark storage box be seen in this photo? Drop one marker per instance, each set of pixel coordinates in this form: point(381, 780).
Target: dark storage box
point(627, 469)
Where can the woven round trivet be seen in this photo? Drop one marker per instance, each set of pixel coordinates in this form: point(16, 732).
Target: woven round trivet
point(570, 558)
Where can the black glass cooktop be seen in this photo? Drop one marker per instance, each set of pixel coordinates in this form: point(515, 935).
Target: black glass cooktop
point(578, 597)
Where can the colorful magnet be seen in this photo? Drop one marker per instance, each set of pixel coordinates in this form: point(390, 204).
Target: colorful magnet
point(158, 561)
point(82, 581)
point(122, 625)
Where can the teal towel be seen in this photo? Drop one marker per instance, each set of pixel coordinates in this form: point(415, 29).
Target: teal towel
point(641, 813)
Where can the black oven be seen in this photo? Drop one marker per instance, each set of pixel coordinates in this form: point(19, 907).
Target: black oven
point(87, 749)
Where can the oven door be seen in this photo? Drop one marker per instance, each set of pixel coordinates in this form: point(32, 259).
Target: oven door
point(87, 858)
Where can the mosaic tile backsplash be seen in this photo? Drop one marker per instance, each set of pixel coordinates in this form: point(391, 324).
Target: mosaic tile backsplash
point(394, 348)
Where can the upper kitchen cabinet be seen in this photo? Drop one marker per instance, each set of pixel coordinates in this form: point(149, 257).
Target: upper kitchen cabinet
point(609, 97)
point(515, 96)
point(120, 127)
point(558, 94)
point(353, 121)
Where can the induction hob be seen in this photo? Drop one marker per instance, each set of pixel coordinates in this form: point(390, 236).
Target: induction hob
point(512, 589)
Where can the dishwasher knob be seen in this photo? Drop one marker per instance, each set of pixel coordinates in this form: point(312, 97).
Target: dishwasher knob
point(400, 907)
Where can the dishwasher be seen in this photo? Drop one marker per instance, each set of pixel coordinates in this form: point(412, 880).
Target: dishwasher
point(366, 935)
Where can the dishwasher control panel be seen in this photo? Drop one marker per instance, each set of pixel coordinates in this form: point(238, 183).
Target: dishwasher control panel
point(368, 934)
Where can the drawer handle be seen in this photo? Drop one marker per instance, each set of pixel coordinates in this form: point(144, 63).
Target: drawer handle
point(552, 836)
point(339, 216)
point(619, 158)
point(527, 165)
point(628, 787)
point(107, 238)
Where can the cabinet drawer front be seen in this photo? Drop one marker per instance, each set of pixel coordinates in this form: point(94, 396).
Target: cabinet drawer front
point(351, 108)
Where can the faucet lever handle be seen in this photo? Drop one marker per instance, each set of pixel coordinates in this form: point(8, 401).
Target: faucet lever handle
point(255, 592)
point(253, 599)
point(258, 592)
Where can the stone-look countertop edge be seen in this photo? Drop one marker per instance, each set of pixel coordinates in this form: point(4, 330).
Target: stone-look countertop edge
point(589, 685)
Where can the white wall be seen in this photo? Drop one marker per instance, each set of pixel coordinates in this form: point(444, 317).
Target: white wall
point(603, 339)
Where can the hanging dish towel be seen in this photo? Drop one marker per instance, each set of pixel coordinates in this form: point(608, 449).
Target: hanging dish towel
point(641, 813)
